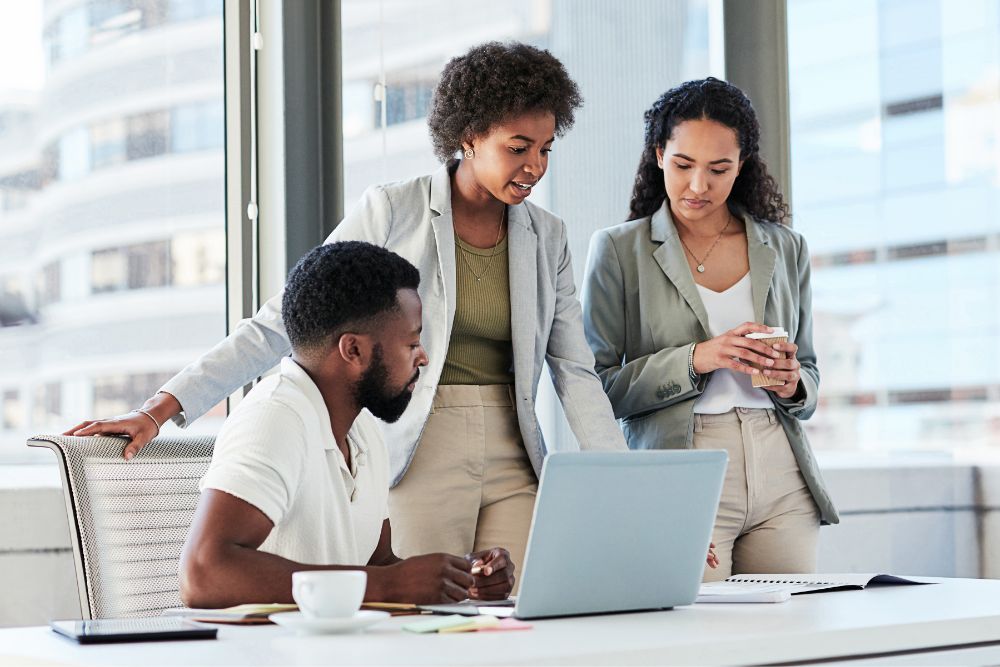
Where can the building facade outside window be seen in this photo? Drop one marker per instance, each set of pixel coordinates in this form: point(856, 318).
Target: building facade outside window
point(895, 135)
point(112, 223)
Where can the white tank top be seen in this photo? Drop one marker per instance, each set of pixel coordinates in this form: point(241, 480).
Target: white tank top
point(728, 389)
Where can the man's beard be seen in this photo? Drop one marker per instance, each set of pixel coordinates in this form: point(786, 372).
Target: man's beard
point(372, 391)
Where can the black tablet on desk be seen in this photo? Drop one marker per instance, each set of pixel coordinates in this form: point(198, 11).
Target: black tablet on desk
point(105, 630)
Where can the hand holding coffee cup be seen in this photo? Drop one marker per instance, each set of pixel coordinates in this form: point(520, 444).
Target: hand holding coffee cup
point(783, 376)
point(329, 593)
point(736, 351)
point(765, 378)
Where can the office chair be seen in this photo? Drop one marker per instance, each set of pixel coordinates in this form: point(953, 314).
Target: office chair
point(128, 519)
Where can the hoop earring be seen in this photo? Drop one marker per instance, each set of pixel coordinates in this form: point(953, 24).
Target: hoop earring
point(469, 154)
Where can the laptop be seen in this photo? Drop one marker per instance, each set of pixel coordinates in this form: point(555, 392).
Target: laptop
point(618, 531)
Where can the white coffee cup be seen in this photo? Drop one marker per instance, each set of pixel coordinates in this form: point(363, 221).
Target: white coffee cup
point(329, 593)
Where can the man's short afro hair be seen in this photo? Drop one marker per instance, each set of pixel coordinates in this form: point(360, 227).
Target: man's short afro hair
point(340, 287)
point(495, 82)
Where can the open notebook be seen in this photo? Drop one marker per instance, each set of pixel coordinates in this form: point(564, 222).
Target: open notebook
point(797, 584)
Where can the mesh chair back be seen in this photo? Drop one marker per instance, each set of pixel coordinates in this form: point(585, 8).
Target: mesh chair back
point(128, 519)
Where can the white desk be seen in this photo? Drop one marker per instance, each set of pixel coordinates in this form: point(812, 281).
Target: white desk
point(947, 622)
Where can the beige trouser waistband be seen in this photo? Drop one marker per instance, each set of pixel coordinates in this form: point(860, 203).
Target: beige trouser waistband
point(734, 416)
point(472, 395)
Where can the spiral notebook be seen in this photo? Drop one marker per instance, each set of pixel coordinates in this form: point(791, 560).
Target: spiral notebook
point(796, 584)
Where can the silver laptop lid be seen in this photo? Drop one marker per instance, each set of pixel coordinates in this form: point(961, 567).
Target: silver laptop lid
point(619, 531)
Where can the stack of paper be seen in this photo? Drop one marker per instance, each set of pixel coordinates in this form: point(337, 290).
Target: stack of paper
point(243, 614)
point(728, 591)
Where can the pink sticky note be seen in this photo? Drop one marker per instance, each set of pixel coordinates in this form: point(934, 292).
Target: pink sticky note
point(507, 624)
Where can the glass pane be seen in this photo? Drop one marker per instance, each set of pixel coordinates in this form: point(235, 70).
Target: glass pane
point(112, 227)
point(896, 176)
point(646, 47)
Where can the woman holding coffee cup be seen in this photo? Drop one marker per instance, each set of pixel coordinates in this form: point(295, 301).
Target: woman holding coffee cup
point(682, 307)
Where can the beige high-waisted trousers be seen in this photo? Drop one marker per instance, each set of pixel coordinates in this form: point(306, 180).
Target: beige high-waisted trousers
point(470, 485)
point(767, 520)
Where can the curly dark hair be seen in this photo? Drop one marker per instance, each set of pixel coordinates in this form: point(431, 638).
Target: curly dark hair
point(755, 190)
point(495, 82)
point(342, 286)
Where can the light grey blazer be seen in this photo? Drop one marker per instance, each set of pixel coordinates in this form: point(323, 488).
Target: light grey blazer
point(413, 219)
point(642, 311)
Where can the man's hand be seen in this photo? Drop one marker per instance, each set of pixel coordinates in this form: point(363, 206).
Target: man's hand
point(428, 579)
point(494, 574)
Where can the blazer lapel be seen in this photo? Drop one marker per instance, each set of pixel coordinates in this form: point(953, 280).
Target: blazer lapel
point(670, 256)
point(762, 259)
point(521, 249)
point(444, 237)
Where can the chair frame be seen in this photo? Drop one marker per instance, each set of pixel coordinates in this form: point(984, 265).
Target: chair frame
point(72, 495)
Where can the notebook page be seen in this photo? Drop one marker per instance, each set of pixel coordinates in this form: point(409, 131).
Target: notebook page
point(808, 583)
point(814, 579)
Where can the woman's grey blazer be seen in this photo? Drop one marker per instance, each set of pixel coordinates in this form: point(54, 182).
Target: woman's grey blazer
point(642, 311)
point(413, 219)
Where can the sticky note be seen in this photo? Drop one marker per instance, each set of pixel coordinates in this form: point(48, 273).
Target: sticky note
point(507, 624)
point(436, 624)
point(472, 624)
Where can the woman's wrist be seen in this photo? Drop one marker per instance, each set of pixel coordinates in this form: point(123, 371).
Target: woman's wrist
point(161, 407)
point(692, 373)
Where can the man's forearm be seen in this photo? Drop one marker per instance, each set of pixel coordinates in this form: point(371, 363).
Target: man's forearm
point(236, 574)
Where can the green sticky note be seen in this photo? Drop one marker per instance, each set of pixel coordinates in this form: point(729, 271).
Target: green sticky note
point(436, 623)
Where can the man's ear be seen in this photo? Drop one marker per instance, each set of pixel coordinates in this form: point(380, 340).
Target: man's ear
point(355, 349)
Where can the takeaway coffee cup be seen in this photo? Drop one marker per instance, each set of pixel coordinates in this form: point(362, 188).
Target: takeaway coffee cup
point(329, 593)
point(777, 335)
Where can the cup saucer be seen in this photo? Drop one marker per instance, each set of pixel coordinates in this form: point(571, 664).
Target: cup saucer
point(296, 620)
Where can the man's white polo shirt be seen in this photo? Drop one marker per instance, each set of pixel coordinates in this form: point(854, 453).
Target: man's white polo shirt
point(276, 451)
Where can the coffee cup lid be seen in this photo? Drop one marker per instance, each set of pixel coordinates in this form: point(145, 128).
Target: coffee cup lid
point(777, 333)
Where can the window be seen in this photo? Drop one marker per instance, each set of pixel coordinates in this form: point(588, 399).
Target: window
point(197, 127)
point(48, 406)
point(112, 184)
point(116, 394)
point(656, 45)
point(895, 132)
point(11, 410)
point(134, 267)
point(49, 287)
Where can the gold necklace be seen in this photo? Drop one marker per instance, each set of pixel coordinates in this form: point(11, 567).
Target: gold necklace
point(479, 276)
point(701, 264)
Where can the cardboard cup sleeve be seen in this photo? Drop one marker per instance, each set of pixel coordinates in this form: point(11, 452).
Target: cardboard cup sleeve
point(777, 336)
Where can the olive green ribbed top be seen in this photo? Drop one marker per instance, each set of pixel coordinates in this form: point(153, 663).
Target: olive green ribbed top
point(480, 351)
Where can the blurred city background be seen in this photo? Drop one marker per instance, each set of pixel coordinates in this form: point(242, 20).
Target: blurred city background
point(112, 217)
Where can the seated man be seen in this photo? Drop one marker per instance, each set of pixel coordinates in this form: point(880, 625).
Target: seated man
point(300, 475)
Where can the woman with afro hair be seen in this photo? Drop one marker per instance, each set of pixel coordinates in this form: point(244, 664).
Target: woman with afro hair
point(677, 304)
point(498, 298)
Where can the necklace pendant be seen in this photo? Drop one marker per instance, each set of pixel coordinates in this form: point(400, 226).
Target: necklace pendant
point(701, 268)
point(479, 280)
